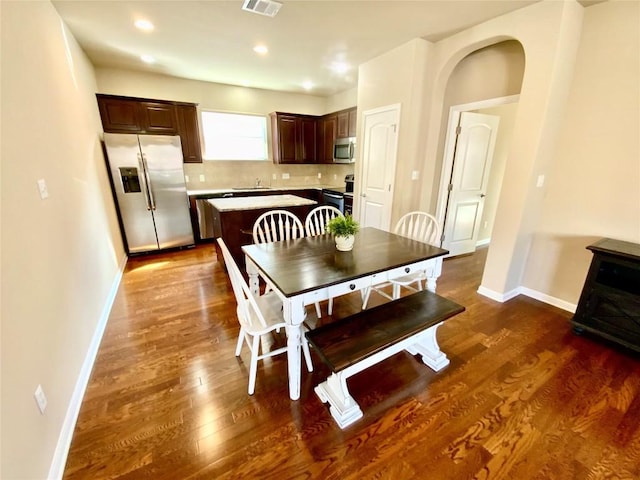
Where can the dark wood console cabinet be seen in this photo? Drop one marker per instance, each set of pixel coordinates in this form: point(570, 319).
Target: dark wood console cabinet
point(609, 305)
point(157, 117)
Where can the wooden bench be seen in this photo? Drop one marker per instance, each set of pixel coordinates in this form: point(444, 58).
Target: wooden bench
point(351, 345)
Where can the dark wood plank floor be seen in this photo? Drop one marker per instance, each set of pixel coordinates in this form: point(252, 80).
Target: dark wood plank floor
point(523, 397)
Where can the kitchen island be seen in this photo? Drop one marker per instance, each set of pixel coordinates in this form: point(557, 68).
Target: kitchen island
point(233, 218)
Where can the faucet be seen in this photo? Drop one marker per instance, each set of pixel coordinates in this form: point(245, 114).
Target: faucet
point(258, 181)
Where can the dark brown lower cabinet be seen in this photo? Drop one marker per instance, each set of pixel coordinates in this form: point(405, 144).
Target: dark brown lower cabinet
point(609, 305)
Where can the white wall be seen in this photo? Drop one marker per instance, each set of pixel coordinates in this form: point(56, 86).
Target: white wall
point(593, 185)
point(61, 256)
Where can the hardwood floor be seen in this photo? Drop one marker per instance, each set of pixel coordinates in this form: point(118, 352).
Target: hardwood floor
point(523, 397)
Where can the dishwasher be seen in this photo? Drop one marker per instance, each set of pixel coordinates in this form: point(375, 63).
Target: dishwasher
point(204, 212)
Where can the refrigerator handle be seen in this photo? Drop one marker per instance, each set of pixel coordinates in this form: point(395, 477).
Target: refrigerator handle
point(144, 182)
point(148, 182)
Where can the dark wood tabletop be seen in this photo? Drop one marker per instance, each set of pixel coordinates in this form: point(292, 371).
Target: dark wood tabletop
point(309, 263)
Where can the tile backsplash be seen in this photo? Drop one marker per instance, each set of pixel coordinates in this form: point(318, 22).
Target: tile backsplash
point(229, 174)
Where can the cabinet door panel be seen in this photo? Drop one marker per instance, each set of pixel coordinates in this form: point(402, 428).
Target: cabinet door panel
point(343, 125)
point(307, 143)
point(353, 118)
point(326, 139)
point(119, 116)
point(159, 118)
point(187, 116)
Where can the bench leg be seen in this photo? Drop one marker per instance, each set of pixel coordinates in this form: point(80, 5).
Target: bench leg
point(427, 346)
point(344, 408)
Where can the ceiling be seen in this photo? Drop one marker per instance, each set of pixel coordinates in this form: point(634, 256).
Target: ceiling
point(213, 40)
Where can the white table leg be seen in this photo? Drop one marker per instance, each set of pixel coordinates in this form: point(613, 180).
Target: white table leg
point(254, 281)
point(294, 314)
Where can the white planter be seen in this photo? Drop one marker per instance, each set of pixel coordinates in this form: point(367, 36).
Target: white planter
point(345, 244)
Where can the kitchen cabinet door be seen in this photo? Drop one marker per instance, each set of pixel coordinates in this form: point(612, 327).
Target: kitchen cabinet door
point(158, 118)
point(343, 124)
point(294, 138)
point(187, 118)
point(353, 118)
point(346, 123)
point(326, 138)
point(119, 116)
point(307, 140)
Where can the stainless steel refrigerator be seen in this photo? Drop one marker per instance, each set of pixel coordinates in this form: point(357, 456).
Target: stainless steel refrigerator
point(148, 181)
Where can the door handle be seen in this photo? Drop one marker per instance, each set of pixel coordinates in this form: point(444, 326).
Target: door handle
point(482, 195)
point(144, 182)
point(149, 188)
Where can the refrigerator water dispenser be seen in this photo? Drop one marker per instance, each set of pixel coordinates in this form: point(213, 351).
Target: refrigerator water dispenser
point(130, 180)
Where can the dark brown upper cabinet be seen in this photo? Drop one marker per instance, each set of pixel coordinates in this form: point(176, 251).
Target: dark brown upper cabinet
point(346, 123)
point(327, 127)
point(293, 138)
point(187, 115)
point(158, 117)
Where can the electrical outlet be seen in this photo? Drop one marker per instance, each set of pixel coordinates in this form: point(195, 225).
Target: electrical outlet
point(274, 176)
point(186, 178)
point(319, 175)
point(42, 188)
point(285, 176)
point(201, 177)
point(41, 399)
point(335, 177)
point(540, 181)
point(414, 175)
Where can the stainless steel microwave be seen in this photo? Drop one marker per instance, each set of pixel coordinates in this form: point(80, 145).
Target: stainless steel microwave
point(344, 150)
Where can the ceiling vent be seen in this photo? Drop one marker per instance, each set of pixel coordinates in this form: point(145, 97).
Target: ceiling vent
point(262, 7)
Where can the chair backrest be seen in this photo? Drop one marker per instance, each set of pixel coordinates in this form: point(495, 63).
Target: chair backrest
point(249, 314)
point(419, 226)
point(277, 225)
point(317, 219)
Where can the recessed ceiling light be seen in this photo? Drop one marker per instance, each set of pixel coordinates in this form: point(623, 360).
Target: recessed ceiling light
point(307, 84)
point(145, 25)
point(147, 58)
point(261, 49)
point(340, 67)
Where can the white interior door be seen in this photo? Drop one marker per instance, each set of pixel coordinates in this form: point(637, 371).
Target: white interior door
point(379, 154)
point(476, 139)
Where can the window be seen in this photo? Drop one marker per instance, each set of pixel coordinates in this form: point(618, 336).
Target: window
point(234, 136)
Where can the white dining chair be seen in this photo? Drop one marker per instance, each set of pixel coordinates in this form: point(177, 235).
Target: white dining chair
point(316, 224)
point(258, 316)
point(276, 225)
point(316, 221)
point(419, 226)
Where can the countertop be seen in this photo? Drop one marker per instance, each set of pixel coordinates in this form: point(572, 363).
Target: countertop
point(222, 191)
point(264, 201)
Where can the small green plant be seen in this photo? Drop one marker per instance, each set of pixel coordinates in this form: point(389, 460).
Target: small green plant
point(343, 226)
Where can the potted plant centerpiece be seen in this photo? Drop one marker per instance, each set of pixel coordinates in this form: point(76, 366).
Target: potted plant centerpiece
point(344, 230)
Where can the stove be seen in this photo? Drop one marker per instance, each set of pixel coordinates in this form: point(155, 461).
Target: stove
point(340, 197)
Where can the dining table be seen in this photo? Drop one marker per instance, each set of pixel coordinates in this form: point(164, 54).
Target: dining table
point(307, 270)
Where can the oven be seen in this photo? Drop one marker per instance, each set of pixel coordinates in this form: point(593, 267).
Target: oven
point(340, 197)
point(333, 198)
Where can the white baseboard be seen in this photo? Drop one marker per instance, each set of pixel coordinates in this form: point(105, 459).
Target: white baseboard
point(482, 243)
point(543, 297)
point(499, 297)
point(59, 461)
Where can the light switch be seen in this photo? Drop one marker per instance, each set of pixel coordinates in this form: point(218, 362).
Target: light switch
point(186, 178)
point(42, 188)
point(415, 174)
point(201, 177)
point(540, 181)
